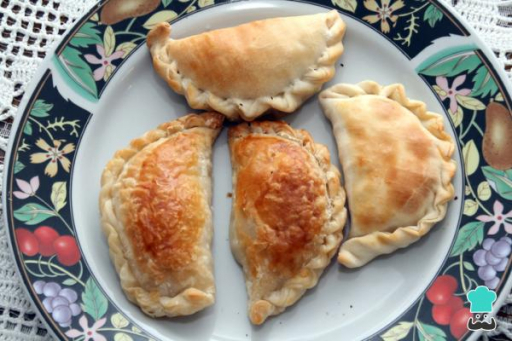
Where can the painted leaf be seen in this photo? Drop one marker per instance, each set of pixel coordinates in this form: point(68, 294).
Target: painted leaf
point(465, 65)
point(32, 214)
point(470, 102)
point(484, 191)
point(468, 237)
point(109, 40)
point(457, 117)
point(18, 167)
point(94, 302)
point(87, 35)
point(59, 194)
point(439, 91)
point(398, 332)
point(471, 157)
point(126, 47)
point(69, 282)
point(122, 337)
point(119, 321)
point(483, 83)
point(347, 5)
point(166, 3)
point(78, 69)
point(95, 17)
point(470, 207)
point(191, 9)
point(24, 146)
point(204, 3)
point(158, 18)
point(468, 266)
point(135, 329)
point(430, 333)
point(467, 190)
point(108, 72)
point(499, 181)
point(451, 65)
point(499, 97)
point(41, 108)
point(432, 15)
point(27, 130)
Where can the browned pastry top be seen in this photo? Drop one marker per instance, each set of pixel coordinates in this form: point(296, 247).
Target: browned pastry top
point(276, 178)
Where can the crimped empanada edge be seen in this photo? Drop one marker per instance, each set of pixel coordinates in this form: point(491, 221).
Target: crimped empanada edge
point(356, 252)
point(277, 301)
point(190, 300)
point(287, 101)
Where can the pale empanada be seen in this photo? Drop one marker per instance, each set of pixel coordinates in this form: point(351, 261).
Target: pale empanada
point(245, 70)
point(397, 167)
point(288, 213)
point(155, 211)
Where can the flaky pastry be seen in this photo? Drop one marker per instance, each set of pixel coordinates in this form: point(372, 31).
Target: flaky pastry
point(288, 213)
point(155, 211)
point(244, 71)
point(397, 167)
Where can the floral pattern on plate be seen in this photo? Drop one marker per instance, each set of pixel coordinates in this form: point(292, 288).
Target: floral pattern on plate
point(410, 25)
point(480, 255)
point(98, 45)
point(89, 57)
point(44, 235)
point(39, 207)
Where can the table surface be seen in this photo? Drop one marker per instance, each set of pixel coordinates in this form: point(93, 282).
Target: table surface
point(29, 28)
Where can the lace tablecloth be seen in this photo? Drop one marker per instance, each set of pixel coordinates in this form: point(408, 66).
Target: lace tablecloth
point(29, 28)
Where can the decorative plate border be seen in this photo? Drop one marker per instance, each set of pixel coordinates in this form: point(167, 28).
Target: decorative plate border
point(37, 180)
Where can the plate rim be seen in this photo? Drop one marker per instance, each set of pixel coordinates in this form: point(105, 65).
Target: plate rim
point(45, 66)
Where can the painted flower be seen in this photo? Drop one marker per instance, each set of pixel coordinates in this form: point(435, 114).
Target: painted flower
point(89, 333)
point(52, 154)
point(384, 13)
point(452, 92)
point(498, 219)
point(28, 189)
point(105, 60)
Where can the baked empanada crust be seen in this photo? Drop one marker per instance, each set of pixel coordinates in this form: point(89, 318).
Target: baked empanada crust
point(288, 213)
point(155, 211)
point(244, 71)
point(397, 167)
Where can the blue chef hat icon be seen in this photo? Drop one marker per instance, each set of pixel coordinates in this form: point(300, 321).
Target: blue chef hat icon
point(481, 300)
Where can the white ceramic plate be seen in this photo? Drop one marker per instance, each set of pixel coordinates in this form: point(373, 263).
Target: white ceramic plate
point(385, 295)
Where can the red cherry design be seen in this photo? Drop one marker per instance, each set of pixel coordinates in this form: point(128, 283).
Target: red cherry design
point(46, 236)
point(459, 322)
point(443, 314)
point(27, 242)
point(442, 290)
point(456, 302)
point(67, 250)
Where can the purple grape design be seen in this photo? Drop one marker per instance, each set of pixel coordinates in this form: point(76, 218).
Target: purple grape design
point(491, 259)
point(60, 303)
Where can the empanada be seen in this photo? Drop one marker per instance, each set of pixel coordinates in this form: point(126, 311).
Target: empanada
point(287, 216)
point(244, 71)
point(397, 167)
point(155, 211)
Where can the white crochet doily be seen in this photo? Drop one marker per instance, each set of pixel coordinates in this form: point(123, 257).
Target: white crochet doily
point(29, 28)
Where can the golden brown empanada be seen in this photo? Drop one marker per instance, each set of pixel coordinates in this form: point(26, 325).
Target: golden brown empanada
point(155, 211)
point(397, 167)
point(288, 213)
point(245, 70)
